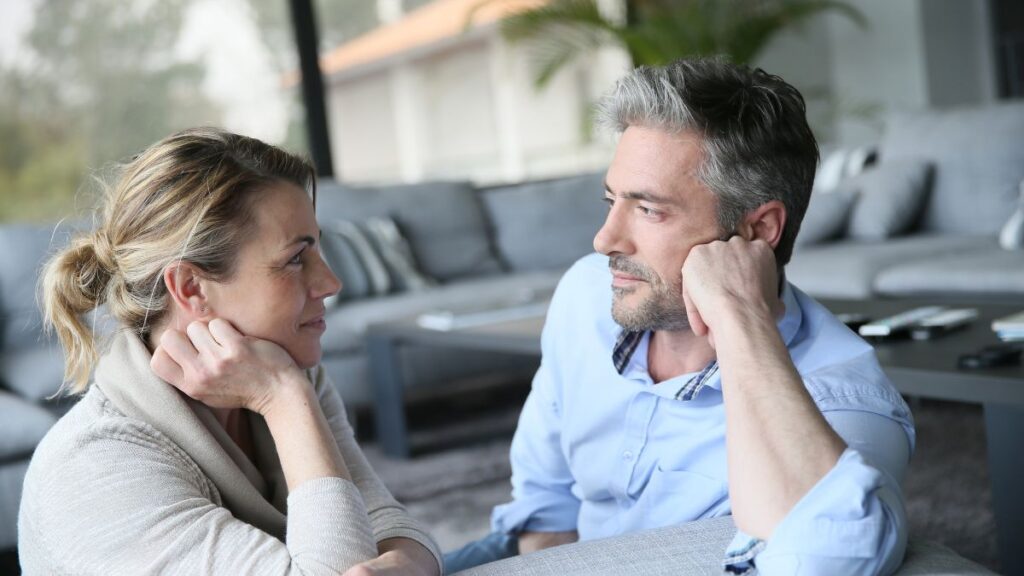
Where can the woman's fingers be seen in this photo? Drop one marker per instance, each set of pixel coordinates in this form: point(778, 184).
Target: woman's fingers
point(201, 338)
point(166, 368)
point(223, 332)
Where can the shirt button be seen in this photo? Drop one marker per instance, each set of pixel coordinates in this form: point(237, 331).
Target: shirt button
point(627, 455)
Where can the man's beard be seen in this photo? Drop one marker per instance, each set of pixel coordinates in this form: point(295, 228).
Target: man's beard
point(662, 309)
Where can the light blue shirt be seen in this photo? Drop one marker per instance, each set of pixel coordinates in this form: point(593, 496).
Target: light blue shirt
point(605, 453)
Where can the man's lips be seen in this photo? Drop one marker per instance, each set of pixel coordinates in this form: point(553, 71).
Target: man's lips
point(621, 279)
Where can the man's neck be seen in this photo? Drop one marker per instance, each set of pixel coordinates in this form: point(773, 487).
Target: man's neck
point(677, 352)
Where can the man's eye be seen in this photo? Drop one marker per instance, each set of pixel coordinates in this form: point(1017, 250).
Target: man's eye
point(609, 201)
point(647, 211)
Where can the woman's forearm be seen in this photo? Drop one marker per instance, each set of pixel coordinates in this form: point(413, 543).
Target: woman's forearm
point(304, 441)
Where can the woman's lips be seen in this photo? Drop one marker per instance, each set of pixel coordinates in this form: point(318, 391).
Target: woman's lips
point(317, 323)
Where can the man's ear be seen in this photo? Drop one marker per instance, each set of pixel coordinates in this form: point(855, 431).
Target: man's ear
point(184, 283)
point(766, 222)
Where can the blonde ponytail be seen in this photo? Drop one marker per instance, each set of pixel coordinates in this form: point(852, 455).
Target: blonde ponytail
point(74, 282)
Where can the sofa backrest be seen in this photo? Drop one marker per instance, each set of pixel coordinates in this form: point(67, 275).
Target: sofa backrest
point(978, 155)
point(546, 224)
point(443, 221)
point(24, 248)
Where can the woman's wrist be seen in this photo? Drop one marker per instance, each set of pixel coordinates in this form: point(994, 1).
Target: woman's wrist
point(285, 392)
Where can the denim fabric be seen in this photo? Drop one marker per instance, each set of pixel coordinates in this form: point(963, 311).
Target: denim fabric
point(491, 548)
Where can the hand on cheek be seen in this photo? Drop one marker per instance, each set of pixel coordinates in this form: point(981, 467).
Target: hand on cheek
point(217, 365)
point(722, 278)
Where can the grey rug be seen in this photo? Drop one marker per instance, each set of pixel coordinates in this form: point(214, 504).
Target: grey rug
point(947, 486)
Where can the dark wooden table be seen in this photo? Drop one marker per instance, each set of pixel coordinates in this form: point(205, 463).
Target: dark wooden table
point(925, 369)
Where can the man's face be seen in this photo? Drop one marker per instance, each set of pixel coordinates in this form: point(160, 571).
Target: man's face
point(658, 210)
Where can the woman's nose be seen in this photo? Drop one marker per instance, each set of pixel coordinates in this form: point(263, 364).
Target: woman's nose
point(325, 284)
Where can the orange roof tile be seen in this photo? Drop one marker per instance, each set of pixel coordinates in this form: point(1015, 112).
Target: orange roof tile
point(428, 24)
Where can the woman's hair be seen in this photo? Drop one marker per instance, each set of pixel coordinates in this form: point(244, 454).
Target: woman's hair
point(185, 198)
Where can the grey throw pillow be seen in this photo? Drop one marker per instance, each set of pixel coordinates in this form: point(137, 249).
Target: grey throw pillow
point(1011, 237)
point(352, 255)
point(396, 254)
point(826, 217)
point(891, 197)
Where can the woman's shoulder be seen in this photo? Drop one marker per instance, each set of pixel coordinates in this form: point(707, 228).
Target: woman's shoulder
point(96, 439)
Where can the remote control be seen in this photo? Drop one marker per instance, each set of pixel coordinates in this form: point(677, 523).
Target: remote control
point(943, 322)
point(900, 323)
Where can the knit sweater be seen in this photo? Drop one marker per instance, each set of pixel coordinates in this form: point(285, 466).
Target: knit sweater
point(137, 478)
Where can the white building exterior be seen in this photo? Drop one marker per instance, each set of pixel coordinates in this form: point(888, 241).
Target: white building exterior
point(426, 97)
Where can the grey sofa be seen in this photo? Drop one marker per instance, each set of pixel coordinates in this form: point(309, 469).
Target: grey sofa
point(694, 549)
point(977, 156)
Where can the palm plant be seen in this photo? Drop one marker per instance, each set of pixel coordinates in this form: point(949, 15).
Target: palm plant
point(655, 32)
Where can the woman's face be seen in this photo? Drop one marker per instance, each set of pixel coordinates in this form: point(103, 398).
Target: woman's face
point(280, 281)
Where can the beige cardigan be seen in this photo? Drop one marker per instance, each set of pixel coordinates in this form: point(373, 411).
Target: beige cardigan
point(139, 479)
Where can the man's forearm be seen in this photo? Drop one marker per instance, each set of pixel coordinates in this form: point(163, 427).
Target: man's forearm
point(777, 441)
point(534, 541)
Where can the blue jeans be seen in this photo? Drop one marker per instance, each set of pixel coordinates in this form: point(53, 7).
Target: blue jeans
point(491, 548)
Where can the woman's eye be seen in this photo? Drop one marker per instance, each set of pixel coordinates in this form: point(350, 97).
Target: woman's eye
point(297, 259)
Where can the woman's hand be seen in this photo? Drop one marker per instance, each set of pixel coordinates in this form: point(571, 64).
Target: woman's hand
point(399, 557)
point(222, 368)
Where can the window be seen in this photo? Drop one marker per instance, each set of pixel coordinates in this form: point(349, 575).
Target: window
point(87, 84)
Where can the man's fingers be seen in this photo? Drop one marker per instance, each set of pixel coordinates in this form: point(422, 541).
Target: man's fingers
point(693, 315)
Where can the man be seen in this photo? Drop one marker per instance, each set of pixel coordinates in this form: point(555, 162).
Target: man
point(682, 377)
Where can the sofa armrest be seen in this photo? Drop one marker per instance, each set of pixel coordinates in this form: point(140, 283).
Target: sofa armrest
point(693, 548)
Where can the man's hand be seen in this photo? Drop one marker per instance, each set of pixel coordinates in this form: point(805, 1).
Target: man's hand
point(534, 541)
point(726, 279)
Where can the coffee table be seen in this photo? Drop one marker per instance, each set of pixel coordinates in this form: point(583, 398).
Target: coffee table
point(925, 369)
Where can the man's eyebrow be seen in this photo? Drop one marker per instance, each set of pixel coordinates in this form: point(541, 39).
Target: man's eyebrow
point(641, 195)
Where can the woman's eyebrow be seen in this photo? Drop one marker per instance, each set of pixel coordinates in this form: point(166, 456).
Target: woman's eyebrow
point(303, 239)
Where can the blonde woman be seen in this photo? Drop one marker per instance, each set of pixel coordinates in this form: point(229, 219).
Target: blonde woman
point(208, 440)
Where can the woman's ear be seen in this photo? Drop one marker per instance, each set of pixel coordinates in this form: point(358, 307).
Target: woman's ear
point(766, 223)
point(184, 283)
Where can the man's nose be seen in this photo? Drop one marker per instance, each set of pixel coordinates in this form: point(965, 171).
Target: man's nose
point(613, 237)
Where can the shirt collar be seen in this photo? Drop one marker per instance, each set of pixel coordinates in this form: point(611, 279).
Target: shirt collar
point(629, 340)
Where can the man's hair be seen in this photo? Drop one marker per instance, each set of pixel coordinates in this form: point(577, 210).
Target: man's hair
point(757, 146)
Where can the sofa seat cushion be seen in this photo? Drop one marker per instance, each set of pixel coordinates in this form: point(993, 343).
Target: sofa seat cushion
point(22, 425)
point(989, 271)
point(443, 221)
point(848, 269)
point(346, 324)
point(546, 225)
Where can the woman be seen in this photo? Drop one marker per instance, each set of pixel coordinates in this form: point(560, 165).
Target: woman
point(209, 440)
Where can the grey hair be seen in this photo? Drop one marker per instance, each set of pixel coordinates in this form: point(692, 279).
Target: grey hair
point(756, 141)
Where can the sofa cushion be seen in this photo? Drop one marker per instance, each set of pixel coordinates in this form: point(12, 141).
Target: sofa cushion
point(546, 225)
point(347, 323)
point(22, 425)
point(26, 250)
point(33, 372)
point(978, 156)
point(890, 198)
point(443, 221)
point(848, 269)
point(826, 217)
point(988, 271)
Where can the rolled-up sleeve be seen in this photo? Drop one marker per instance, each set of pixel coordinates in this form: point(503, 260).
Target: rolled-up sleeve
point(542, 498)
point(853, 521)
